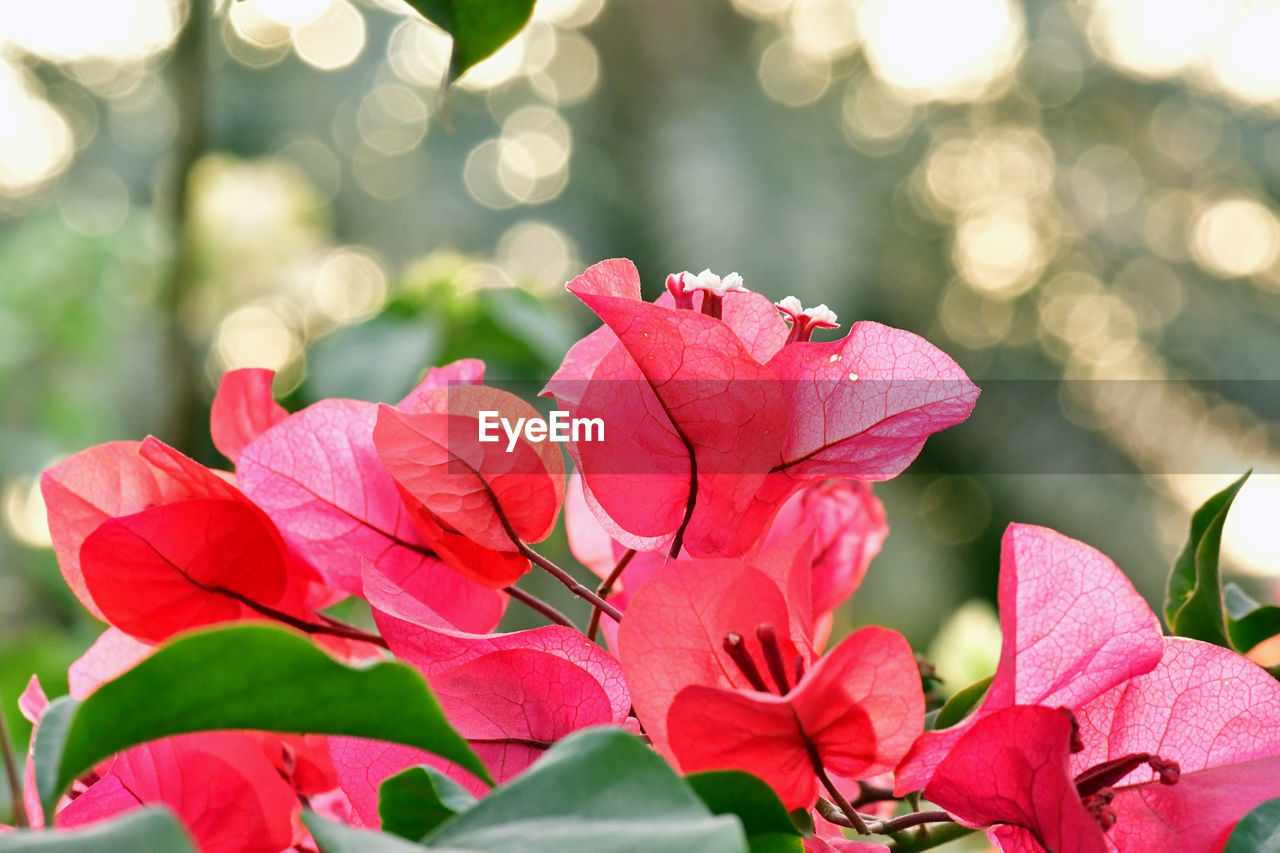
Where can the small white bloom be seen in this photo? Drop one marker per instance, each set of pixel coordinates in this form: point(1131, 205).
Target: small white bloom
point(712, 283)
point(733, 283)
point(822, 315)
point(790, 305)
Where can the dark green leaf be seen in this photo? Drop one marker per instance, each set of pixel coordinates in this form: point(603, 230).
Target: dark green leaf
point(478, 27)
point(154, 830)
point(959, 705)
point(599, 789)
point(1258, 831)
point(416, 801)
point(242, 677)
point(804, 821)
point(1249, 622)
point(339, 838)
point(732, 792)
point(1193, 604)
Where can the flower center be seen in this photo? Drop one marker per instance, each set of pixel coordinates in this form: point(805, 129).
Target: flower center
point(805, 320)
point(770, 652)
point(713, 287)
point(1094, 785)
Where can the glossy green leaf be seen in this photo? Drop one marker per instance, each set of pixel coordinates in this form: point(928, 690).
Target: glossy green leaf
point(154, 830)
point(478, 27)
point(242, 676)
point(959, 705)
point(1193, 604)
point(1249, 622)
point(1258, 831)
point(334, 837)
point(764, 818)
point(600, 789)
point(416, 801)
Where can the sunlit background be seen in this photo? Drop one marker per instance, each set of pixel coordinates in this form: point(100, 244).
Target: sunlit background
point(1050, 191)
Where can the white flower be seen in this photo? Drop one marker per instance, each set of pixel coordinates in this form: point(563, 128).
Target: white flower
point(712, 283)
point(789, 305)
point(823, 316)
point(819, 315)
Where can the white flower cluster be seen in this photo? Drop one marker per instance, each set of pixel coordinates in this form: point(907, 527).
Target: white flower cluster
point(712, 283)
point(819, 315)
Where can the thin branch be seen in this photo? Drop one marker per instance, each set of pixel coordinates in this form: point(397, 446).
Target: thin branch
point(13, 774)
point(606, 588)
point(567, 579)
point(847, 810)
point(839, 816)
point(533, 602)
point(331, 627)
point(940, 834)
point(868, 794)
point(889, 827)
point(534, 557)
point(948, 832)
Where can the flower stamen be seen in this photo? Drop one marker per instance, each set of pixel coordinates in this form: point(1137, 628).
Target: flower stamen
point(768, 637)
point(805, 320)
point(1095, 784)
point(738, 653)
point(713, 289)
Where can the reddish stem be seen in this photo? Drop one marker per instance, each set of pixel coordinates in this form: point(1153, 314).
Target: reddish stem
point(535, 603)
point(607, 587)
point(768, 637)
point(846, 808)
point(737, 652)
point(332, 627)
point(568, 580)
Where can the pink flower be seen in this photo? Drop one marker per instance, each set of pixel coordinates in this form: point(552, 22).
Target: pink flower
point(511, 695)
point(720, 661)
point(846, 520)
point(1167, 760)
point(849, 526)
point(1074, 627)
point(153, 542)
point(318, 476)
point(716, 414)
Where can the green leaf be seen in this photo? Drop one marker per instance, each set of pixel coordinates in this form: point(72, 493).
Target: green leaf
point(803, 821)
point(154, 830)
point(1249, 622)
point(478, 27)
point(600, 789)
point(47, 749)
point(733, 792)
point(1193, 604)
point(335, 837)
point(416, 801)
point(1258, 831)
point(242, 677)
point(959, 705)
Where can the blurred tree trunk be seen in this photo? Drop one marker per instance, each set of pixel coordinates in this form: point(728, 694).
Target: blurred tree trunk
point(188, 69)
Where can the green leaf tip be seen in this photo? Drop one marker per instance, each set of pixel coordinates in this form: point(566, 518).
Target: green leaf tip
point(1193, 603)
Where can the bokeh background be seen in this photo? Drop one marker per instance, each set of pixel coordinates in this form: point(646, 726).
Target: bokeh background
point(1077, 200)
